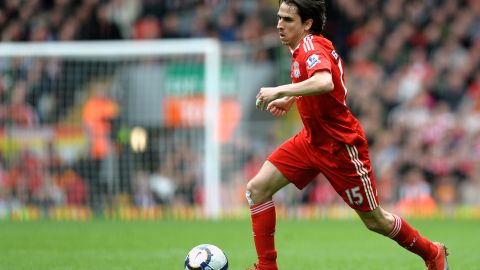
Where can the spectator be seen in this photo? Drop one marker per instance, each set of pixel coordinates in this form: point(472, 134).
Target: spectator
point(124, 13)
point(415, 194)
point(142, 194)
point(147, 28)
point(445, 192)
point(104, 29)
point(470, 188)
point(98, 113)
point(162, 187)
point(171, 26)
point(21, 113)
point(75, 188)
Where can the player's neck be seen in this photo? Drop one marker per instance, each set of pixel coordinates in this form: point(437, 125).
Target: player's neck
point(297, 43)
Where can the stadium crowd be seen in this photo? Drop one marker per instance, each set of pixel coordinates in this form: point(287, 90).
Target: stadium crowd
point(413, 71)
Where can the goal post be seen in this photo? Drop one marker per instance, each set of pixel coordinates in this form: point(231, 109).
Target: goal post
point(207, 50)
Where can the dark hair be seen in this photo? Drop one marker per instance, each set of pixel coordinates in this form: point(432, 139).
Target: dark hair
point(310, 9)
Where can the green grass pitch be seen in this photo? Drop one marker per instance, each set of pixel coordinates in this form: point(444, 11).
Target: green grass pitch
point(162, 245)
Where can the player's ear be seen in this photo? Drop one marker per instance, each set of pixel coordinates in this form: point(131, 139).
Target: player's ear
point(307, 25)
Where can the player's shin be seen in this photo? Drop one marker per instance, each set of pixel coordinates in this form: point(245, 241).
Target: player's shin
point(410, 239)
point(263, 225)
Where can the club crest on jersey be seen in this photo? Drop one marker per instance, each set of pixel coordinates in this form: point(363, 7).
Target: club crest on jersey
point(312, 60)
point(296, 70)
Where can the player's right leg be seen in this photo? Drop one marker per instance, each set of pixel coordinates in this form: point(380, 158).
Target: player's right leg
point(260, 190)
point(267, 182)
point(289, 163)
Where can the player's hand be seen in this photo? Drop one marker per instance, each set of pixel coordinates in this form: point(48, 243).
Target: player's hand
point(279, 107)
point(265, 96)
point(261, 104)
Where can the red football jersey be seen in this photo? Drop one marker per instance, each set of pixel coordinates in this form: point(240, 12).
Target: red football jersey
point(325, 116)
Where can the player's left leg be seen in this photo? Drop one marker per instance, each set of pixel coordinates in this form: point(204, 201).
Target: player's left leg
point(349, 171)
point(396, 228)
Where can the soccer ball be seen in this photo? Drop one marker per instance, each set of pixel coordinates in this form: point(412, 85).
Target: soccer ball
point(206, 257)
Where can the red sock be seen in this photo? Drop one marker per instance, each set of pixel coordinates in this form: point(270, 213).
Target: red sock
point(263, 225)
point(410, 239)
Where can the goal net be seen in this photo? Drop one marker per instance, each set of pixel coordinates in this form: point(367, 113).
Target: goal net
point(118, 128)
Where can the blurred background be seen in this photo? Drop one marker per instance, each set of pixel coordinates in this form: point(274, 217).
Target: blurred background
point(123, 139)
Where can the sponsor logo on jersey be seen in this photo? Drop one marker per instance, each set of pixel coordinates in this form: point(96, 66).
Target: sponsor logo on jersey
point(296, 70)
point(312, 61)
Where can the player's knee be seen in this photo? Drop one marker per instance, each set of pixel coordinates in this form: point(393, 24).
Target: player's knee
point(254, 193)
point(250, 193)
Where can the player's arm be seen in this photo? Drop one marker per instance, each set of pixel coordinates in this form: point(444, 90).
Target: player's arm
point(320, 83)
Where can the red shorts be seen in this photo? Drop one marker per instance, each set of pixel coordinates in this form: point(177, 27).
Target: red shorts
point(347, 168)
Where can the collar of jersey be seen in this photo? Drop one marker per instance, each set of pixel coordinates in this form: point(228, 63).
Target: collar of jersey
point(300, 43)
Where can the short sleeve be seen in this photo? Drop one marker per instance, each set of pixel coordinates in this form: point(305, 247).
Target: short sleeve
point(317, 60)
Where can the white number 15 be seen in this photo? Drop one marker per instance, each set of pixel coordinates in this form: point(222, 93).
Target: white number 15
point(354, 196)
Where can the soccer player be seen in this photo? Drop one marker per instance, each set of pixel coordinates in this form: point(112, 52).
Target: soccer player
point(331, 142)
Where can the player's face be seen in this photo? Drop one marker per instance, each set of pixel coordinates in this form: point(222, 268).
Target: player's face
point(290, 26)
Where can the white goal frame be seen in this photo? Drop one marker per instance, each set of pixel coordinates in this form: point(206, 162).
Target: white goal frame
point(123, 49)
